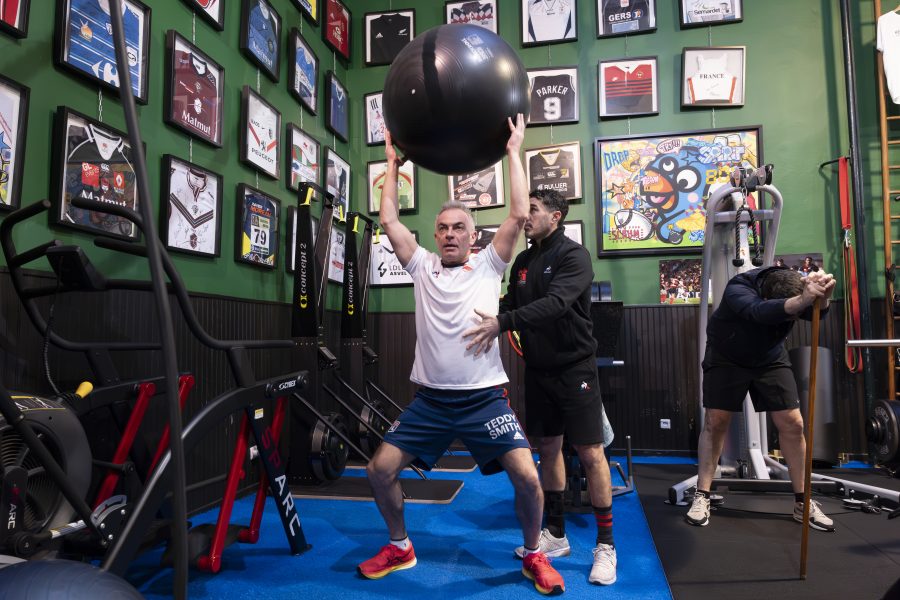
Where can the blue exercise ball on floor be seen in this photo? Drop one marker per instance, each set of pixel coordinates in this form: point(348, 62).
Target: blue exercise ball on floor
point(52, 579)
point(448, 94)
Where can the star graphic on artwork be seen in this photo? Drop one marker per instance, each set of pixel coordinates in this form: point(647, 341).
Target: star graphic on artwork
point(3, 144)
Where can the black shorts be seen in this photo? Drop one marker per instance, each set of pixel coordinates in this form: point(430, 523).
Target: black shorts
point(725, 385)
point(565, 401)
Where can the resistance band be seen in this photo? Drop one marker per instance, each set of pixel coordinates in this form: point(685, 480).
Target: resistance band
point(852, 356)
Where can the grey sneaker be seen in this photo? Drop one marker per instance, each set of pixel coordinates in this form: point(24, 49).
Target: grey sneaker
point(699, 513)
point(604, 570)
point(817, 519)
point(553, 547)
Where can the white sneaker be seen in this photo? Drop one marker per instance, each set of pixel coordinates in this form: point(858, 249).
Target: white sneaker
point(817, 519)
point(699, 513)
point(553, 547)
point(604, 570)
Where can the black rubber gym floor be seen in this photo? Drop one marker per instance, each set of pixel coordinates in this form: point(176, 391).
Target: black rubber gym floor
point(751, 547)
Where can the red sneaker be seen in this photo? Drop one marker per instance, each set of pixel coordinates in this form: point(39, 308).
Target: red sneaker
point(389, 559)
point(547, 580)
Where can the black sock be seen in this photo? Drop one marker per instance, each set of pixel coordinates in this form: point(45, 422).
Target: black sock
point(704, 493)
point(798, 497)
point(604, 519)
point(555, 512)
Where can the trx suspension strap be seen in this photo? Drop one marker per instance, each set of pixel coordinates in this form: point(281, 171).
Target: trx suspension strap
point(852, 356)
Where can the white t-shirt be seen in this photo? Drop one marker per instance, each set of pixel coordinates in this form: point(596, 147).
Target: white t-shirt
point(446, 299)
point(888, 43)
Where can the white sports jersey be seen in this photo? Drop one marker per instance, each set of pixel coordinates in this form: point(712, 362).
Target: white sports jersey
point(550, 20)
point(712, 81)
point(888, 43)
point(193, 210)
point(446, 299)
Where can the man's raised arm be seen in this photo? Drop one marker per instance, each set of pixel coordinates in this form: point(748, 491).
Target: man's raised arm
point(508, 232)
point(402, 239)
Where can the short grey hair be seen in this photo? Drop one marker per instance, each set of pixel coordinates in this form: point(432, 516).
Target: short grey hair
point(451, 205)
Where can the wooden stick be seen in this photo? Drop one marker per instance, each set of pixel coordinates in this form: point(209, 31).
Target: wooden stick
point(810, 419)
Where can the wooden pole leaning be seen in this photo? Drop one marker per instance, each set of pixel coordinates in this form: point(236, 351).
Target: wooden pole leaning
point(810, 419)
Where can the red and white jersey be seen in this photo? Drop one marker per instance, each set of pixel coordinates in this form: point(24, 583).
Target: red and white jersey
point(9, 12)
point(195, 100)
point(628, 87)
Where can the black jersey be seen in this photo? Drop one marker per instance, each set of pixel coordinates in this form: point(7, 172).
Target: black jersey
point(622, 16)
point(553, 170)
point(389, 33)
point(552, 99)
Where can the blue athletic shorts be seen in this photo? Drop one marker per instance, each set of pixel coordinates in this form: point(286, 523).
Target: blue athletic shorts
point(481, 419)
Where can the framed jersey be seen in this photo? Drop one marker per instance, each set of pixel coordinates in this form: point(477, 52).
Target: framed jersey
point(309, 9)
point(261, 36)
point(337, 182)
point(482, 189)
point(194, 90)
point(213, 11)
point(13, 123)
point(625, 17)
point(374, 114)
point(484, 235)
point(260, 134)
point(92, 161)
point(574, 230)
point(699, 13)
point(336, 31)
point(386, 35)
point(336, 255)
point(303, 157)
point(192, 214)
point(628, 87)
point(384, 267)
point(549, 21)
point(554, 95)
point(303, 72)
point(84, 43)
point(406, 185)
point(258, 216)
point(337, 107)
point(474, 12)
point(555, 167)
point(712, 76)
point(14, 17)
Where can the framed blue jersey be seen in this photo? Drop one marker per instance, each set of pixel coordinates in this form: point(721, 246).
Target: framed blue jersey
point(337, 110)
point(84, 42)
point(304, 72)
point(260, 35)
point(257, 227)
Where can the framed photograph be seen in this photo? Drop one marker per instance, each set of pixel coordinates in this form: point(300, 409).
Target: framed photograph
point(483, 189)
point(336, 255)
point(473, 12)
point(13, 125)
point(374, 119)
point(84, 43)
point(651, 190)
point(484, 236)
point(628, 87)
point(556, 167)
point(211, 10)
point(549, 22)
point(194, 90)
point(712, 76)
point(337, 109)
point(386, 34)
point(625, 17)
point(260, 133)
point(679, 281)
point(93, 161)
point(574, 230)
point(192, 216)
point(554, 95)
point(261, 36)
point(384, 268)
point(303, 160)
point(304, 73)
point(699, 13)
point(309, 9)
point(14, 17)
point(406, 186)
point(257, 220)
point(337, 182)
point(291, 236)
point(336, 31)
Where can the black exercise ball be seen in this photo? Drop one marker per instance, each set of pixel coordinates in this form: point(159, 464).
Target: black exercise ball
point(50, 579)
point(447, 97)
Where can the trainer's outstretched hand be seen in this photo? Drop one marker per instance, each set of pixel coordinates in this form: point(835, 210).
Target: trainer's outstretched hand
point(517, 133)
point(482, 334)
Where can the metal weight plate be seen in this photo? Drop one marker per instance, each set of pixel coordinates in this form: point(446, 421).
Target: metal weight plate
point(328, 453)
point(368, 441)
point(883, 431)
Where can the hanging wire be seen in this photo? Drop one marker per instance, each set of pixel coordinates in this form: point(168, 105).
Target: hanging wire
point(257, 81)
point(191, 149)
point(194, 28)
point(100, 105)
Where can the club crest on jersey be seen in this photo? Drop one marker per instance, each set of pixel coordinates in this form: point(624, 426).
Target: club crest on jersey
point(584, 386)
point(522, 277)
point(394, 427)
point(90, 174)
point(119, 183)
point(85, 31)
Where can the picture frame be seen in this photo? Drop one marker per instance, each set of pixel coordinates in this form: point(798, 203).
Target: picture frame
point(374, 117)
point(302, 158)
point(14, 19)
point(713, 76)
point(88, 51)
point(697, 13)
point(386, 35)
point(554, 25)
point(303, 73)
point(191, 218)
point(625, 17)
point(679, 281)
point(291, 237)
point(385, 269)
point(479, 12)
point(484, 235)
point(195, 90)
point(309, 9)
point(337, 182)
point(557, 166)
point(406, 186)
point(574, 230)
point(628, 87)
point(336, 31)
point(14, 102)
point(636, 214)
point(256, 239)
point(337, 107)
point(261, 36)
point(95, 161)
point(554, 95)
point(260, 134)
point(482, 189)
point(336, 255)
point(212, 11)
